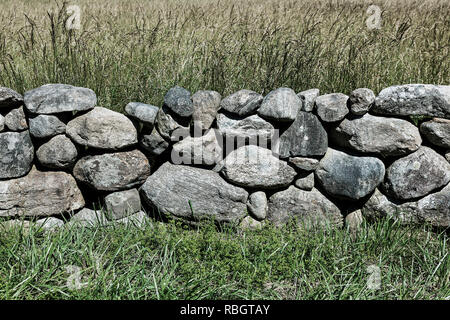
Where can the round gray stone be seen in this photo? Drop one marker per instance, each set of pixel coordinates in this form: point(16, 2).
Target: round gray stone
point(46, 126)
point(332, 107)
point(179, 101)
point(142, 112)
point(280, 105)
point(15, 120)
point(16, 154)
point(58, 153)
point(361, 100)
point(437, 131)
point(257, 205)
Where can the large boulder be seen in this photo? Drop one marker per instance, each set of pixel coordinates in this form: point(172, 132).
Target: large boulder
point(332, 107)
point(361, 100)
point(206, 105)
point(169, 126)
point(40, 194)
point(250, 128)
point(280, 105)
point(437, 131)
point(103, 129)
point(15, 120)
point(113, 171)
point(16, 154)
point(193, 194)
point(309, 208)
point(142, 112)
point(58, 153)
point(347, 176)
point(154, 143)
point(45, 126)
point(255, 167)
point(9, 98)
point(242, 103)
point(179, 101)
point(57, 98)
point(305, 137)
point(308, 98)
point(417, 174)
point(414, 99)
point(378, 135)
point(204, 150)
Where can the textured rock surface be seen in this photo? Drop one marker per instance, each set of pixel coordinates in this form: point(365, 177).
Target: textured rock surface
point(310, 208)
point(154, 143)
point(102, 128)
point(308, 98)
point(45, 126)
point(305, 137)
point(40, 194)
point(255, 167)
point(2, 123)
point(414, 99)
point(250, 128)
point(56, 98)
point(9, 98)
point(204, 150)
point(257, 205)
point(379, 135)
point(353, 221)
point(138, 220)
point(361, 100)
point(179, 101)
point(88, 218)
point(437, 131)
point(306, 182)
point(304, 164)
point(145, 113)
point(249, 224)
point(417, 174)
point(16, 154)
point(170, 128)
point(447, 156)
point(242, 103)
point(332, 107)
point(347, 176)
point(122, 203)
point(206, 104)
point(113, 171)
point(59, 153)
point(49, 224)
point(15, 120)
point(193, 194)
point(280, 105)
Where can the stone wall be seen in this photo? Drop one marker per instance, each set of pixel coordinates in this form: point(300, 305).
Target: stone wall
point(244, 158)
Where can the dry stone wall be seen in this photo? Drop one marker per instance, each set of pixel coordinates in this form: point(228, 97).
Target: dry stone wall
point(246, 158)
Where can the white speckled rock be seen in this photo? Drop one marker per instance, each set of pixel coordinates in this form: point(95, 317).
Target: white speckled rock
point(242, 103)
point(250, 128)
point(280, 105)
point(308, 98)
point(361, 100)
point(179, 101)
point(15, 120)
point(45, 126)
point(304, 164)
point(16, 154)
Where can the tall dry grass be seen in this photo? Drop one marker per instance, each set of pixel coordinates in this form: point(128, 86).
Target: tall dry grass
point(135, 50)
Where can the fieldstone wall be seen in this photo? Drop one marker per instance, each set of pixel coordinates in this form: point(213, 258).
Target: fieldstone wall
point(244, 159)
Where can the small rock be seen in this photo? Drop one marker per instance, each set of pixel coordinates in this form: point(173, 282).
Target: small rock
point(304, 164)
point(308, 98)
point(2, 123)
point(249, 224)
point(142, 112)
point(88, 218)
point(44, 126)
point(49, 224)
point(417, 174)
point(206, 105)
point(154, 143)
point(242, 103)
point(353, 221)
point(447, 156)
point(437, 131)
point(332, 107)
point(306, 182)
point(15, 225)
point(58, 153)
point(9, 98)
point(179, 101)
point(257, 205)
point(139, 220)
point(251, 128)
point(169, 127)
point(103, 129)
point(57, 98)
point(122, 204)
point(15, 120)
point(255, 167)
point(361, 100)
point(280, 105)
point(347, 176)
point(16, 154)
point(204, 150)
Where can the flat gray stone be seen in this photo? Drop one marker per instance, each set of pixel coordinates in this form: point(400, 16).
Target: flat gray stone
point(57, 98)
point(378, 135)
point(361, 100)
point(45, 126)
point(113, 171)
point(40, 194)
point(255, 167)
point(206, 105)
point(437, 131)
point(280, 105)
point(154, 143)
point(242, 103)
point(332, 107)
point(122, 204)
point(306, 182)
point(194, 194)
point(103, 129)
point(308, 98)
point(309, 208)
point(58, 153)
point(16, 154)
point(9, 98)
point(179, 101)
point(414, 99)
point(347, 176)
point(304, 164)
point(257, 205)
point(15, 120)
point(417, 174)
point(305, 137)
point(250, 128)
point(169, 126)
point(145, 113)
point(204, 150)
